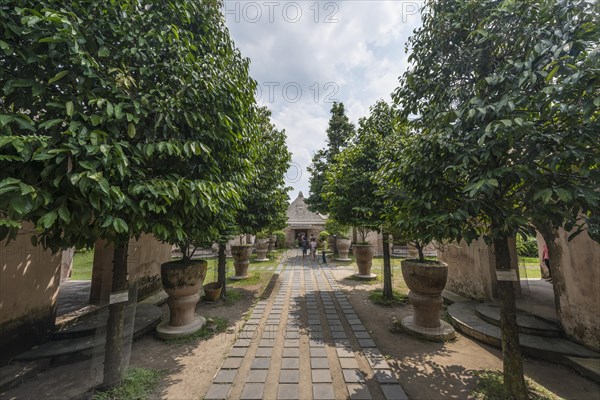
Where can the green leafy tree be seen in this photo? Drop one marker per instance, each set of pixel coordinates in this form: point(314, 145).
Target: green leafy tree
point(351, 191)
point(266, 198)
point(505, 96)
point(119, 119)
point(339, 135)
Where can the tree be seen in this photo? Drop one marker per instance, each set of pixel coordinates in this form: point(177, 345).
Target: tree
point(339, 134)
point(266, 198)
point(119, 119)
point(351, 191)
point(506, 108)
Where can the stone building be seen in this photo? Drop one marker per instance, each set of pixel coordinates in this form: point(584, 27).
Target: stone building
point(302, 221)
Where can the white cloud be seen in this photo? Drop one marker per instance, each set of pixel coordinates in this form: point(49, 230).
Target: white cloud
point(302, 63)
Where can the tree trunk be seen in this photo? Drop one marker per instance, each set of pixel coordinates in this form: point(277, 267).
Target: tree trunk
point(555, 254)
point(222, 270)
point(113, 357)
point(514, 381)
point(387, 268)
point(420, 250)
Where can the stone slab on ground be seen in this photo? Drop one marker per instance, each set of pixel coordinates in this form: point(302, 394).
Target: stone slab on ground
point(17, 372)
point(588, 367)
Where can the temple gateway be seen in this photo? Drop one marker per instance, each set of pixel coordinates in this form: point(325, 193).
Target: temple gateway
point(302, 221)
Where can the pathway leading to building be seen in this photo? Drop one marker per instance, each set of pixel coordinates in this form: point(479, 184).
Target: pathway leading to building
point(304, 342)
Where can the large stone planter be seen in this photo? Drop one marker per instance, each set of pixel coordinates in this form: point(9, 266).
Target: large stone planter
point(343, 247)
point(426, 282)
point(272, 242)
point(364, 260)
point(262, 246)
point(182, 282)
point(241, 259)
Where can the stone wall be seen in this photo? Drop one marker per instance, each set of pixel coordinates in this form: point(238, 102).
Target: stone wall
point(144, 260)
point(30, 278)
point(580, 300)
point(471, 268)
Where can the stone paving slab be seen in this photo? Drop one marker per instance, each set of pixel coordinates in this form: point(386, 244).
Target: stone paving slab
point(305, 342)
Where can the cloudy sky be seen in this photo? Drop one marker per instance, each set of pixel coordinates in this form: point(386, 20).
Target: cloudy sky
point(307, 54)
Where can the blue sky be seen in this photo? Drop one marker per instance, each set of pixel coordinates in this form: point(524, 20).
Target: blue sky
point(306, 54)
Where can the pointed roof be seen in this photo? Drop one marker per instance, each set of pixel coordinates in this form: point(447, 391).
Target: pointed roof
point(298, 213)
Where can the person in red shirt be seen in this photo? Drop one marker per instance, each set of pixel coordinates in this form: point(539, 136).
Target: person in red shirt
point(546, 259)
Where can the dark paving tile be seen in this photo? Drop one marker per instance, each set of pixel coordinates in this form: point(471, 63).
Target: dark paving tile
point(257, 376)
point(261, 363)
point(394, 392)
point(253, 391)
point(359, 391)
point(264, 352)
point(217, 392)
point(323, 391)
point(232, 363)
point(366, 343)
point(362, 335)
point(225, 376)
point(288, 391)
point(353, 376)
point(289, 376)
point(385, 376)
point(290, 363)
point(238, 352)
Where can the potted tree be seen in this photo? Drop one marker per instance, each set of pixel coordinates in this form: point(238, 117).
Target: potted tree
point(241, 259)
point(262, 246)
point(182, 280)
point(363, 251)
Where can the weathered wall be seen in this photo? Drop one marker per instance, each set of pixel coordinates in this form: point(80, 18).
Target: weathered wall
point(471, 268)
point(29, 281)
point(143, 264)
point(580, 301)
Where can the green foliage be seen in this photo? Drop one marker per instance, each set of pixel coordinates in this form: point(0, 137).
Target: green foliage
point(323, 235)
point(334, 227)
point(113, 126)
point(527, 247)
point(280, 235)
point(376, 296)
point(339, 135)
point(350, 189)
point(138, 384)
point(490, 387)
point(503, 137)
point(213, 326)
point(265, 199)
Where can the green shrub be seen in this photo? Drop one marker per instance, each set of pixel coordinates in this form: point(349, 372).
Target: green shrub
point(280, 239)
point(527, 247)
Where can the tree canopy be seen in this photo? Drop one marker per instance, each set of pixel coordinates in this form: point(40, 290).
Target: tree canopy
point(505, 109)
point(339, 135)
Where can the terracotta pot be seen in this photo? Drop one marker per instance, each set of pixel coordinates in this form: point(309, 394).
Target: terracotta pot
point(343, 246)
point(212, 291)
point(262, 246)
point(182, 282)
point(272, 240)
point(426, 282)
point(364, 258)
point(241, 257)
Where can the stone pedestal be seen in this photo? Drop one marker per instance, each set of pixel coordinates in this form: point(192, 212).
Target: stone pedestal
point(426, 282)
point(343, 247)
point(241, 260)
point(272, 240)
point(182, 282)
point(364, 261)
point(262, 246)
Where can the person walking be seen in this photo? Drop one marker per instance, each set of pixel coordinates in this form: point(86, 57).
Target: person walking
point(305, 246)
point(546, 258)
point(313, 249)
point(324, 250)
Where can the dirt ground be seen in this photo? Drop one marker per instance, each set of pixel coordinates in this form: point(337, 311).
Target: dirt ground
point(426, 370)
point(430, 370)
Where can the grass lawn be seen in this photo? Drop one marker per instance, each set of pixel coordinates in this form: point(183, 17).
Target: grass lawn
point(82, 266)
